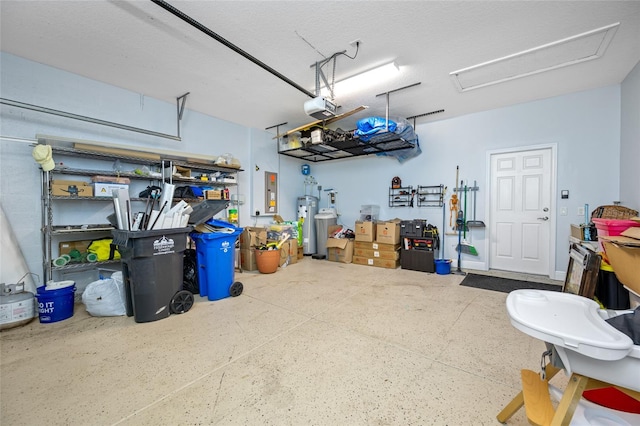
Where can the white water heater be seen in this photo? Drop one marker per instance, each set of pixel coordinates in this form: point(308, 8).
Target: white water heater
point(307, 209)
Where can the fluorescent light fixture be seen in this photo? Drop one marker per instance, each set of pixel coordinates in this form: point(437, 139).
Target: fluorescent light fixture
point(363, 80)
point(572, 50)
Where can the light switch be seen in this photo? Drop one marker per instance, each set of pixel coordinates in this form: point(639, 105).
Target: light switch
point(563, 211)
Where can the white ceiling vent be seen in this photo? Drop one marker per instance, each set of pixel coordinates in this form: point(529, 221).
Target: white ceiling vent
point(561, 53)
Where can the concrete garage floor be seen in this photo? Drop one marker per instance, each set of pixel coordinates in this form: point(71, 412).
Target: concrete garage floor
point(317, 343)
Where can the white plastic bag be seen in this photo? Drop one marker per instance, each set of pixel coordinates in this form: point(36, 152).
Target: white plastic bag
point(105, 298)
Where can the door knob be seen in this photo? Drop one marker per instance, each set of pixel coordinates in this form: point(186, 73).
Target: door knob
point(544, 218)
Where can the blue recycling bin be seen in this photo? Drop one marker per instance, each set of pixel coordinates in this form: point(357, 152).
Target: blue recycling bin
point(215, 253)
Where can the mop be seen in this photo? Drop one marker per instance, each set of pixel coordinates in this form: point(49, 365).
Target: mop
point(465, 246)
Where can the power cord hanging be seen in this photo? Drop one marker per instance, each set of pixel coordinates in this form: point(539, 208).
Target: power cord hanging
point(319, 73)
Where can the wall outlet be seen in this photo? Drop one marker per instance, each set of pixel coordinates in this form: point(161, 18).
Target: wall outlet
point(580, 211)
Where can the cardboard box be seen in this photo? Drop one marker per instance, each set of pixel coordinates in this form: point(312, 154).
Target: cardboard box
point(293, 251)
point(300, 253)
point(340, 250)
point(111, 179)
point(365, 231)
point(104, 189)
point(66, 247)
point(182, 171)
point(376, 254)
point(388, 232)
point(577, 231)
point(375, 246)
point(285, 252)
point(381, 263)
point(623, 252)
point(248, 260)
point(71, 188)
point(215, 194)
point(253, 237)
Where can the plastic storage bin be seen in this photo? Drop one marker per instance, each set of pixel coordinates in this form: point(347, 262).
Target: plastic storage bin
point(215, 253)
point(613, 227)
point(369, 212)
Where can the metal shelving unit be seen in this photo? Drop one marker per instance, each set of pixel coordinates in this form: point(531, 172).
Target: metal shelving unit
point(54, 233)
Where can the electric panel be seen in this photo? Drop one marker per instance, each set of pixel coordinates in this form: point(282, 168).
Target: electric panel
point(270, 192)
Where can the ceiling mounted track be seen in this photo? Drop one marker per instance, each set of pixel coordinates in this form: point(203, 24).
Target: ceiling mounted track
point(180, 101)
point(166, 6)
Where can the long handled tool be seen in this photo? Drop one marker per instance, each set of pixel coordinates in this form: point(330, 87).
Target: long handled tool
point(444, 214)
point(475, 223)
point(465, 246)
point(459, 224)
point(453, 202)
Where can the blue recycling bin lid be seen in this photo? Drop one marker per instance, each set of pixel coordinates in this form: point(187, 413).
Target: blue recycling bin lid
point(225, 230)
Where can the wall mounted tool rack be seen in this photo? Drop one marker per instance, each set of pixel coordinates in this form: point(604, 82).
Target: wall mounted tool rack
point(430, 196)
point(402, 196)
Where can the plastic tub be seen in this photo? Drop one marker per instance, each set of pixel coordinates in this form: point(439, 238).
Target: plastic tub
point(613, 227)
point(443, 266)
point(58, 285)
point(55, 305)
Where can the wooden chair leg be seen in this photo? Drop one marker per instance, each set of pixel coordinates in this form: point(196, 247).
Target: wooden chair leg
point(570, 399)
point(511, 408)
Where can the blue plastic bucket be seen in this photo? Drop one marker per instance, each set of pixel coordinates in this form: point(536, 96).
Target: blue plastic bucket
point(215, 260)
point(443, 266)
point(55, 305)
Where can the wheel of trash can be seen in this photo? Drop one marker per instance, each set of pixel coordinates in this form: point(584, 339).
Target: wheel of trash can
point(236, 289)
point(181, 302)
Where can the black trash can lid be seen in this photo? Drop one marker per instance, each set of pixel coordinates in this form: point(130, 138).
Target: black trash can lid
point(205, 210)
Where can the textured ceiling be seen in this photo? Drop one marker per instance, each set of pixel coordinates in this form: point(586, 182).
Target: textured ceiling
point(139, 46)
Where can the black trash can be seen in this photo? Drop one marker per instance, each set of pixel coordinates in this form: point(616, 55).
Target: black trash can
point(152, 269)
point(152, 266)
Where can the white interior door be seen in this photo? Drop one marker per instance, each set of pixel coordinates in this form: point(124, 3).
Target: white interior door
point(521, 217)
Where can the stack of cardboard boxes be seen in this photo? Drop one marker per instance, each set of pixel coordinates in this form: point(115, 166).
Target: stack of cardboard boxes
point(251, 238)
point(377, 244)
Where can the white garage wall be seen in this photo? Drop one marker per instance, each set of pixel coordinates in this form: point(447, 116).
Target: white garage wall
point(585, 127)
point(630, 140)
point(34, 83)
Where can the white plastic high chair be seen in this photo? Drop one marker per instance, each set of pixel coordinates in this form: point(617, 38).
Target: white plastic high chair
point(593, 353)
